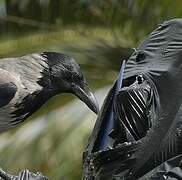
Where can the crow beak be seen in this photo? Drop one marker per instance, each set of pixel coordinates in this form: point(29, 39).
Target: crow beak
point(85, 95)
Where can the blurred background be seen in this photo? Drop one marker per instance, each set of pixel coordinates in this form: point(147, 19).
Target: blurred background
point(98, 34)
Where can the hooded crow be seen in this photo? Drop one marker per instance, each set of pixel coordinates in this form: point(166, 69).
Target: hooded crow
point(27, 82)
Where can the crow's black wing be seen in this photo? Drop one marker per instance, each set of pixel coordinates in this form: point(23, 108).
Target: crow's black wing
point(7, 92)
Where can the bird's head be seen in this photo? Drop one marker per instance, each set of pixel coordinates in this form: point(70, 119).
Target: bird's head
point(66, 77)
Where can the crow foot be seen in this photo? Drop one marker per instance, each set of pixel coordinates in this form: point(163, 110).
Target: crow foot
point(23, 175)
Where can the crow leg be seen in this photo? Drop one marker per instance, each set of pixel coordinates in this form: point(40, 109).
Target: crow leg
point(4, 175)
point(23, 175)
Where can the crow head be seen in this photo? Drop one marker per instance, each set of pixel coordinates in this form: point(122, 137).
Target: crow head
point(66, 77)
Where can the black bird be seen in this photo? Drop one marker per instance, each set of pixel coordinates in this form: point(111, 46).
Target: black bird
point(27, 82)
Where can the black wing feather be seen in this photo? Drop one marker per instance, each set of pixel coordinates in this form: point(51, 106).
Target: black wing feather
point(7, 92)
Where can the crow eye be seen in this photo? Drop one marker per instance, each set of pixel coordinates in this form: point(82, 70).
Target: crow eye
point(76, 77)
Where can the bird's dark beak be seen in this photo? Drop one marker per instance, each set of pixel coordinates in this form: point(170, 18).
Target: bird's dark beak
point(85, 95)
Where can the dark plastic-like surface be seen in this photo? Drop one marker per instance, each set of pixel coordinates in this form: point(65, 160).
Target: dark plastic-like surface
point(159, 60)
